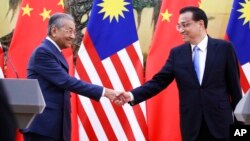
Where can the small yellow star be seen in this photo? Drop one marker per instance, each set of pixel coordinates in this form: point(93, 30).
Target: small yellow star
point(26, 10)
point(61, 3)
point(45, 14)
point(166, 15)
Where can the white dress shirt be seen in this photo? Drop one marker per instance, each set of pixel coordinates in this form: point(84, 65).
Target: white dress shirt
point(53, 42)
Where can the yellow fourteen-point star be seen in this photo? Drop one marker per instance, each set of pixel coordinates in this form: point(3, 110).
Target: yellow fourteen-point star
point(245, 11)
point(113, 9)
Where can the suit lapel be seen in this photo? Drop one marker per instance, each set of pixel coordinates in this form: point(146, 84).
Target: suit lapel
point(58, 54)
point(62, 60)
point(187, 55)
point(210, 59)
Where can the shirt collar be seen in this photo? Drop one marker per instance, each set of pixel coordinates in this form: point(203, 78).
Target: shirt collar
point(53, 42)
point(202, 45)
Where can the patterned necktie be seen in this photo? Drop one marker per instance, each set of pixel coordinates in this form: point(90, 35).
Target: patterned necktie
point(196, 62)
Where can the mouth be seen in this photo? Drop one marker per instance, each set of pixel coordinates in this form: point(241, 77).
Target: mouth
point(184, 35)
point(70, 41)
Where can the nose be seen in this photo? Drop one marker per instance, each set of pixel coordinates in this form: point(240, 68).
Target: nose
point(181, 30)
point(73, 35)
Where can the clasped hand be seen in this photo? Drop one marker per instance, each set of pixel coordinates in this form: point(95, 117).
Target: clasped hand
point(118, 97)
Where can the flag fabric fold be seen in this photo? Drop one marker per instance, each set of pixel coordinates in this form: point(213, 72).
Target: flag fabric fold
point(238, 32)
point(110, 55)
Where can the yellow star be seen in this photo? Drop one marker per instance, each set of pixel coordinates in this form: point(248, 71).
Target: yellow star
point(26, 10)
point(110, 11)
point(61, 3)
point(45, 14)
point(166, 15)
point(245, 10)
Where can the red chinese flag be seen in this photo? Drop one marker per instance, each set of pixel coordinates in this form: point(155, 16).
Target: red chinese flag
point(30, 30)
point(163, 109)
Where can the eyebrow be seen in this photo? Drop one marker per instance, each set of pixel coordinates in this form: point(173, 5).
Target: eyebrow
point(185, 21)
point(72, 28)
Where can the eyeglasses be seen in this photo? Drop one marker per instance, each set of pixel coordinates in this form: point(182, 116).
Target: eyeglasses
point(69, 31)
point(183, 25)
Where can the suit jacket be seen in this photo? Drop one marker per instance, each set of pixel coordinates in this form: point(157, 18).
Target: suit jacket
point(215, 98)
point(49, 67)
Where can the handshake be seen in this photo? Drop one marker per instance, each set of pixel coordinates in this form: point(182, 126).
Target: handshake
point(118, 97)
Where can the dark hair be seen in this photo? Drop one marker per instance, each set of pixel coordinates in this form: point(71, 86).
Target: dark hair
point(56, 20)
point(198, 14)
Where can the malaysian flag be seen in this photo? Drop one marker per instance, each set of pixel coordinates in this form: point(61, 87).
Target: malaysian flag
point(238, 32)
point(110, 55)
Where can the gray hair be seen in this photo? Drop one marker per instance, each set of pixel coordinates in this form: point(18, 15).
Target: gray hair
point(56, 21)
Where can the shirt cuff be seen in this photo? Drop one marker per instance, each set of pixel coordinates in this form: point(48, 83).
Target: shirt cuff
point(103, 91)
point(131, 96)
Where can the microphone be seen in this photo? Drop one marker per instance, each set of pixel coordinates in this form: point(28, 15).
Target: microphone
point(8, 59)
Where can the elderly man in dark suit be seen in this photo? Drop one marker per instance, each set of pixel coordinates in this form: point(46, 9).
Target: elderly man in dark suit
point(49, 67)
point(207, 75)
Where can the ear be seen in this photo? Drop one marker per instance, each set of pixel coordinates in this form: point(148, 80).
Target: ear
point(54, 30)
point(201, 22)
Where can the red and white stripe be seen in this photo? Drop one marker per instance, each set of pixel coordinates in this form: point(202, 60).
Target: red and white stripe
point(246, 69)
point(122, 71)
point(1, 61)
point(245, 77)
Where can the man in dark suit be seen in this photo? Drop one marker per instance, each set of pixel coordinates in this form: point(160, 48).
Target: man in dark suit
point(207, 80)
point(49, 67)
